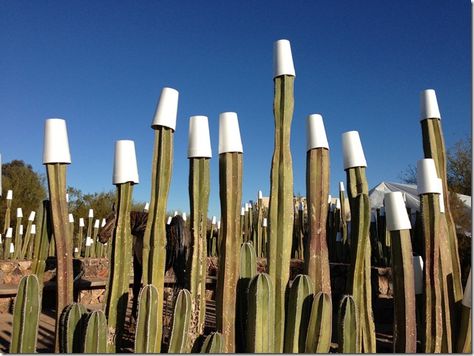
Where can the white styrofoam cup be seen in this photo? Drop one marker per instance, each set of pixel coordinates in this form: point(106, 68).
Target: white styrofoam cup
point(352, 150)
point(166, 109)
point(397, 216)
point(229, 133)
point(282, 59)
point(426, 177)
point(125, 163)
point(56, 143)
point(429, 105)
point(315, 132)
point(199, 140)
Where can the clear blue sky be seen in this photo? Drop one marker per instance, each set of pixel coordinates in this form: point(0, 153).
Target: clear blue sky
point(101, 66)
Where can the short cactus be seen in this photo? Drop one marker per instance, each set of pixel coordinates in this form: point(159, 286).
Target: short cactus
point(145, 336)
point(347, 326)
point(72, 328)
point(96, 333)
point(179, 340)
point(213, 344)
point(318, 336)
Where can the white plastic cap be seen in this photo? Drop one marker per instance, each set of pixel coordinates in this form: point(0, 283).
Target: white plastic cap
point(76, 249)
point(125, 162)
point(166, 109)
point(338, 203)
point(229, 133)
point(260, 194)
point(81, 222)
point(199, 140)
point(315, 132)
point(218, 224)
point(184, 217)
point(91, 213)
point(329, 198)
point(242, 211)
point(96, 223)
point(9, 233)
point(467, 298)
point(12, 247)
point(418, 274)
point(20, 229)
point(89, 241)
point(33, 229)
point(264, 222)
point(56, 144)
point(429, 105)
point(282, 59)
point(441, 197)
point(352, 150)
point(67, 198)
point(147, 207)
point(214, 220)
point(19, 213)
point(175, 213)
point(32, 216)
point(397, 216)
point(103, 222)
point(426, 177)
point(341, 187)
point(71, 218)
point(9, 194)
point(169, 220)
point(247, 207)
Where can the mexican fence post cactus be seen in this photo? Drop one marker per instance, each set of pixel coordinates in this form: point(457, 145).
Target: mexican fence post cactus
point(230, 194)
point(359, 281)
point(464, 341)
point(56, 157)
point(26, 311)
point(17, 239)
point(145, 335)
point(213, 344)
point(154, 239)
point(280, 210)
point(124, 177)
point(318, 336)
point(29, 252)
point(7, 243)
point(398, 225)
point(71, 231)
point(180, 338)
point(95, 340)
point(258, 228)
point(199, 155)
point(348, 339)
point(72, 328)
point(42, 240)
point(80, 237)
point(317, 190)
point(6, 222)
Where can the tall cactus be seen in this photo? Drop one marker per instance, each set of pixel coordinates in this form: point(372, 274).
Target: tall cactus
point(95, 341)
point(27, 239)
point(145, 336)
point(348, 339)
point(72, 328)
point(298, 312)
point(318, 336)
point(42, 240)
point(18, 238)
point(6, 222)
point(464, 341)
point(281, 210)
point(260, 322)
point(26, 313)
point(154, 239)
point(213, 344)
point(180, 340)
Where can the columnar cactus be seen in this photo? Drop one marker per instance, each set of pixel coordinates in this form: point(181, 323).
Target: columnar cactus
point(72, 328)
point(281, 210)
point(95, 341)
point(154, 239)
point(318, 336)
point(18, 238)
point(199, 154)
point(213, 344)
point(258, 226)
point(398, 225)
point(230, 193)
point(125, 175)
point(359, 282)
point(42, 240)
point(6, 222)
point(298, 313)
point(180, 338)
point(145, 335)
point(464, 341)
point(27, 239)
point(348, 339)
point(26, 311)
point(317, 190)
point(7, 243)
point(56, 157)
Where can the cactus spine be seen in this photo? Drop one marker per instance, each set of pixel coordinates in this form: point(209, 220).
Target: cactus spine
point(199, 188)
point(56, 173)
point(180, 340)
point(360, 283)
point(260, 323)
point(348, 326)
point(145, 336)
point(96, 333)
point(318, 336)
point(281, 209)
point(317, 188)
point(154, 239)
point(298, 311)
point(72, 328)
point(120, 264)
point(213, 344)
point(26, 313)
point(230, 193)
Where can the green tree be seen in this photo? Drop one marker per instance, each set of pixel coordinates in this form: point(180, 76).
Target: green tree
point(459, 167)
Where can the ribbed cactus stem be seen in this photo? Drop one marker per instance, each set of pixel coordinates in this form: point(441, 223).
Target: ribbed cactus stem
point(348, 326)
point(26, 241)
point(120, 263)
point(199, 188)
point(259, 229)
point(298, 313)
point(8, 212)
point(56, 173)
point(154, 239)
point(72, 328)
point(26, 311)
point(230, 193)
point(317, 190)
point(464, 340)
point(404, 293)
point(360, 281)
point(17, 239)
point(96, 334)
point(145, 336)
point(213, 344)
point(281, 210)
point(318, 336)
point(180, 338)
point(41, 243)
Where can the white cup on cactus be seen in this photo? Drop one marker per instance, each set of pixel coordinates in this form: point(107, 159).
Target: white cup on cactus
point(429, 105)
point(352, 150)
point(56, 143)
point(125, 163)
point(426, 177)
point(282, 59)
point(199, 141)
point(229, 133)
point(315, 132)
point(166, 109)
point(397, 216)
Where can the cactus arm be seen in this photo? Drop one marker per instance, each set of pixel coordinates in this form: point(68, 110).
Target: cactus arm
point(26, 241)
point(145, 335)
point(180, 340)
point(96, 333)
point(318, 337)
point(213, 344)
point(72, 328)
point(317, 188)
point(42, 241)
point(348, 326)
point(230, 192)
point(281, 209)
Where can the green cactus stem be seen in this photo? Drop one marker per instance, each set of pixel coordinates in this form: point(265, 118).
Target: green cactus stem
point(404, 334)
point(446, 283)
point(230, 193)
point(26, 241)
point(258, 228)
point(96, 334)
point(119, 275)
point(359, 281)
point(26, 311)
point(298, 313)
point(18, 238)
point(348, 326)
point(199, 188)
point(145, 336)
point(8, 212)
point(154, 239)
point(180, 341)
point(260, 322)
point(464, 340)
point(280, 210)
point(213, 344)
point(317, 190)
point(56, 173)
point(80, 240)
point(72, 328)
point(42, 241)
point(318, 336)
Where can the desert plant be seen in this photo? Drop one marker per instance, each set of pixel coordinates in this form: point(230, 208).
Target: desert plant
point(348, 339)
point(145, 335)
point(213, 344)
point(96, 336)
point(6, 222)
point(42, 241)
point(180, 338)
point(72, 328)
point(318, 335)
point(464, 340)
